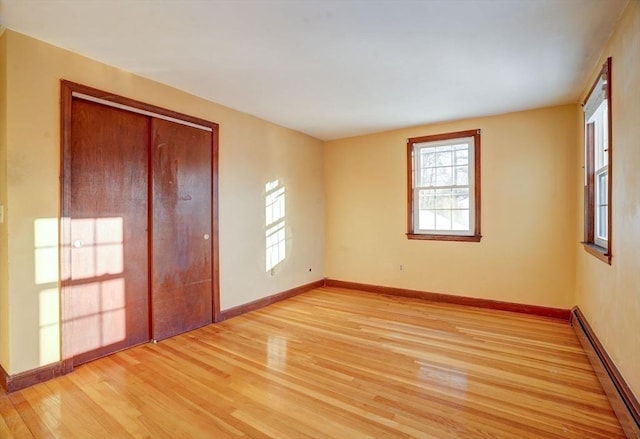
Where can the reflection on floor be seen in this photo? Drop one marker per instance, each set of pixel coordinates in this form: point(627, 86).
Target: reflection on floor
point(332, 363)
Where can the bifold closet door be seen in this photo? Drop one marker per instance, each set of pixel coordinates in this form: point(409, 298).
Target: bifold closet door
point(181, 250)
point(108, 281)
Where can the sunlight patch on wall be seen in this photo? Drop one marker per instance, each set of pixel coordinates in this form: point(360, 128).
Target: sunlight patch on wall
point(49, 304)
point(97, 247)
point(45, 237)
point(275, 223)
point(97, 286)
point(99, 314)
point(46, 250)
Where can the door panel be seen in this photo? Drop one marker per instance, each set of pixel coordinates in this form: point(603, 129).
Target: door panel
point(109, 282)
point(181, 267)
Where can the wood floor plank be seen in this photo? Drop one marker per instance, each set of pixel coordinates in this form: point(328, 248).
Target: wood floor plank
point(332, 363)
point(11, 424)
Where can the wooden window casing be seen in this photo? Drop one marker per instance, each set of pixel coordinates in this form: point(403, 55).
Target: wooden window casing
point(473, 234)
point(592, 243)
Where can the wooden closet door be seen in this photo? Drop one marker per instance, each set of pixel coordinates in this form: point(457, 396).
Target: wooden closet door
point(108, 283)
point(181, 268)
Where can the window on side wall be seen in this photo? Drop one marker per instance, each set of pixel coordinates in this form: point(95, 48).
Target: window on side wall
point(598, 172)
point(443, 173)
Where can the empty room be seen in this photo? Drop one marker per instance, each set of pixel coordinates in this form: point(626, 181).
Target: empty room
point(320, 219)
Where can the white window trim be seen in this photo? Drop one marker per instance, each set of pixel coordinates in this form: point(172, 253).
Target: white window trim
point(596, 104)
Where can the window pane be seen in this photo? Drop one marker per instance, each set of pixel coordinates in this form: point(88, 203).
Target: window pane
point(427, 158)
point(600, 135)
point(443, 199)
point(461, 198)
point(427, 199)
point(443, 220)
point(427, 177)
point(601, 204)
point(602, 222)
point(601, 185)
point(462, 176)
point(462, 156)
point(443, 158)
point(426, 219)
point(443, 148)
point(461, 219)
point(444, 176)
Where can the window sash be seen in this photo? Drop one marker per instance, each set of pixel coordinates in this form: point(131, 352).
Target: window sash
point(600, 135)
point(601, 207)
point(449, 211)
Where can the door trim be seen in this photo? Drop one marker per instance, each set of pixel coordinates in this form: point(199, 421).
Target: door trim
point(138, 111)
point(70, 90)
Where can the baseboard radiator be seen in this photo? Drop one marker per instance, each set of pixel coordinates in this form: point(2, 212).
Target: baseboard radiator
point(625, 404)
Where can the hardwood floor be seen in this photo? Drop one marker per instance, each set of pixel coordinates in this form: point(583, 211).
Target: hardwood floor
point(337, 364)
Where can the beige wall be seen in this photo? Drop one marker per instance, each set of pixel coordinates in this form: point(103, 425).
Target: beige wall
point(252, 153)
point(609, 296)
point(4, 280)
point(531, 203)
point(528, 212)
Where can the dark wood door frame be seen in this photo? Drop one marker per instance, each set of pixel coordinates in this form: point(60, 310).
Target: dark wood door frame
point(69, 91)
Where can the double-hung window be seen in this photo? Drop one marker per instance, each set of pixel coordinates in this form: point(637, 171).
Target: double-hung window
point(443, 173)
point(598, 175)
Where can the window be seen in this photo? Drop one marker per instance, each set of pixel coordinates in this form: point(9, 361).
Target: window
point(598, 175)
point(443, 173)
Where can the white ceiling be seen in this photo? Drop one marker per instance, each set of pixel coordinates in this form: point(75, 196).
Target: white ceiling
point(337, 68)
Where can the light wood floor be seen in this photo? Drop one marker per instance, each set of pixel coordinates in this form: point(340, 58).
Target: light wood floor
point(332, 363)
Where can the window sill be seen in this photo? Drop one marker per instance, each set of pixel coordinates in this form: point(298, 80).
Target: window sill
point(429, 237)
point(597, 251)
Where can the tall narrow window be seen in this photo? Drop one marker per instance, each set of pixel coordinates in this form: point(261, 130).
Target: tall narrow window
point(598, 175)
point(443, 173)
